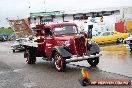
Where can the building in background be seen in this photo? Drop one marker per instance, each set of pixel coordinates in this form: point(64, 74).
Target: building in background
point(110, 17)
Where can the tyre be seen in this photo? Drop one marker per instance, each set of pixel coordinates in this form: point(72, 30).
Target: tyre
point(59, 62)
point(93, 61)
point(93, 50)
point(31, 58)
point(13, 51)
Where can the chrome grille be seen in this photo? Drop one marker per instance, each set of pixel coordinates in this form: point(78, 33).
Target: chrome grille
point(80, 46)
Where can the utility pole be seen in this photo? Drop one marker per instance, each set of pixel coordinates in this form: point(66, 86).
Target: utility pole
point(28, 7)
point(29, 10)
point(44, 5)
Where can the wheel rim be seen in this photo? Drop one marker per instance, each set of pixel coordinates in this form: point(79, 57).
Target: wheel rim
point(27, 56)
point(58, 61)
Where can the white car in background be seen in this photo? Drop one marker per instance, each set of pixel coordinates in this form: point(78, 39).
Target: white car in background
point(129, 41)
point(20, 43)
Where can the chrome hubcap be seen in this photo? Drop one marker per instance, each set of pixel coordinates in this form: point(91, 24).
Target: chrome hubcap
point(58, 61)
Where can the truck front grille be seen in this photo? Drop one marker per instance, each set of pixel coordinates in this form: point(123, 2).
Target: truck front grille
point(80, 46)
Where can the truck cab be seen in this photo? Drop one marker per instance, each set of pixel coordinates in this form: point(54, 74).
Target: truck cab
point(62, 43)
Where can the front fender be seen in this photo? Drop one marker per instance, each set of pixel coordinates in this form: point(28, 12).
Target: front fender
point(62, 50)
point(93, 48)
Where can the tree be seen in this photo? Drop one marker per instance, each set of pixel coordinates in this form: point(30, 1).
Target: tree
point(2, 27)
point(9, 27)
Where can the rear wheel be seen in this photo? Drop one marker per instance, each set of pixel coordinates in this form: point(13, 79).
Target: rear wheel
point(31, 58)
point(93, 61)
point(59, 62)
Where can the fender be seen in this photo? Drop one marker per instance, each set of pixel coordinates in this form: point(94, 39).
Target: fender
point(62, 50)
point(93, 48)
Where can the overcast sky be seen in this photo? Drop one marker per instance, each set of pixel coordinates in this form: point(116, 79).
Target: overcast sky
point(14, 9)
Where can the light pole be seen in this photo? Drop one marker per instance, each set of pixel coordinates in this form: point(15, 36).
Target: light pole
point(28, 7)
point(44, 5)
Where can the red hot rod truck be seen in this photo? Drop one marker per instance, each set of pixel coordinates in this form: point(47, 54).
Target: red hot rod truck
point(61, 43)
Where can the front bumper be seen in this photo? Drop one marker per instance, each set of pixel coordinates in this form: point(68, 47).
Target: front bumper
point(75, 58)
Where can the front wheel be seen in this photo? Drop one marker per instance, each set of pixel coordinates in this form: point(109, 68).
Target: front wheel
point(60, 63)
point(93, 61)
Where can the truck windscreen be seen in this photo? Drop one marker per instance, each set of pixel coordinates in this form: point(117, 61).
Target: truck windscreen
point(65, 30)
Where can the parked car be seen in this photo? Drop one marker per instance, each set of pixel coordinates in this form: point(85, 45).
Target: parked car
point(110, 37)
point(129, 41)
point(4, 37)
point(18, 44)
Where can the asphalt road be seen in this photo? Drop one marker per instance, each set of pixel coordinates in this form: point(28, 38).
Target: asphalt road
point(15, 73)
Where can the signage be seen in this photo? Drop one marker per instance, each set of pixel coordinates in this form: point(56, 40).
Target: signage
point(46, 13)
point(46, 20)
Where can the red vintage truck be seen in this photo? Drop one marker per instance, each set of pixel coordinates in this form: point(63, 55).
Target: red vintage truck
point(62, 43)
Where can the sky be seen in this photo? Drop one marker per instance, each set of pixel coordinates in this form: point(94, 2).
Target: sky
point(14, 9)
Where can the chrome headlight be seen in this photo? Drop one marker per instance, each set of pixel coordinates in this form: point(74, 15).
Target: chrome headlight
point(67, 43)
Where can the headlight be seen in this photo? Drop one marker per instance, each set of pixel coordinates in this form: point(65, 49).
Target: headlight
point(67, 43)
